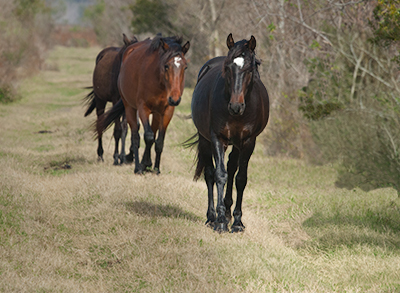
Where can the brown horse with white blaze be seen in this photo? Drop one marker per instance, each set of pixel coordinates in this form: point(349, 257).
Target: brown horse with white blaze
point(151, 82)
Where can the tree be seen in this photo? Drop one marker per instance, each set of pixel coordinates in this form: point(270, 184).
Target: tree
point(151, 16)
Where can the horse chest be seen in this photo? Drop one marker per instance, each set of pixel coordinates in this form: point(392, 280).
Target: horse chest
point(157, 104)
point(236, 133)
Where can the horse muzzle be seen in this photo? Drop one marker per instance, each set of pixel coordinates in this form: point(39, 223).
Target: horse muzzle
point(173, 103)
point(236, 109)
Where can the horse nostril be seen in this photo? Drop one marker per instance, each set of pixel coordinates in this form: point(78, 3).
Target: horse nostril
point(236, 108)
point(173, 103)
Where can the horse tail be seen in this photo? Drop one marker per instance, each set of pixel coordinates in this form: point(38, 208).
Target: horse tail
point(199, 167)
point(90, 101)
point(199, 161)
point(106, 119)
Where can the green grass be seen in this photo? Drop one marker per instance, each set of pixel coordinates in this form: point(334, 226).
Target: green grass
point(69, 223)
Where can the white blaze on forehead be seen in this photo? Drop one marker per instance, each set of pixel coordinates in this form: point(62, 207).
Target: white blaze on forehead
point(176, 61)
point(239, 61)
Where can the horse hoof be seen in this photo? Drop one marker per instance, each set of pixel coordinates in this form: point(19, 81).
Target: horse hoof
point(221, 227)
point(210, 224)
point(157, 171)
point(129, 158)
point(237, 229)
point(228, 216)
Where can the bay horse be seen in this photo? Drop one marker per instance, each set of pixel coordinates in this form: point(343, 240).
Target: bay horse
point(151, 81)
point(230, 106)
point(105, 89)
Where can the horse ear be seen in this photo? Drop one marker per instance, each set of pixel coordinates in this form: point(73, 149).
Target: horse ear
point(252, 43)
point(164, 45)
point(126, 41)
point(230, 42)
point(185, 48)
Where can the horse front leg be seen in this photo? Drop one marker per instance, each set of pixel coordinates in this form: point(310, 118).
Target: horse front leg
point(241, 181)
point(163, 122)
point(130, 157)
point(221, 177)
point(232, 168)
point(144, 114)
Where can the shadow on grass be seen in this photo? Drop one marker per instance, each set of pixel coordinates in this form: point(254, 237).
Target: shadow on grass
point(378, 227)
point(144, 208)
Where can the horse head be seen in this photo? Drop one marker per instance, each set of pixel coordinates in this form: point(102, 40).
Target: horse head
point(238, 71)
point(173, 66)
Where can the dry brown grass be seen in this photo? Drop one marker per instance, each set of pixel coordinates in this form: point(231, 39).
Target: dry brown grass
point(100, 228)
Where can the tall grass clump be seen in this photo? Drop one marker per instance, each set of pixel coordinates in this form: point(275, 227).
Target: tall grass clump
point(24, 30)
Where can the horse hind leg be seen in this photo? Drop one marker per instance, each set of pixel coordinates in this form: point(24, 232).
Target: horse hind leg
point(205, 162)
point(131, 117)
point(131, 156)
point(241, 181)
point(117, 136)
point(100, 106)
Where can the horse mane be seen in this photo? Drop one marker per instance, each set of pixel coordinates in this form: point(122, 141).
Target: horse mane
point(174, 47)
point(235, 51)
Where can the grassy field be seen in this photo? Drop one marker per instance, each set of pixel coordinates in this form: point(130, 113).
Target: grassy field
point(96, 227)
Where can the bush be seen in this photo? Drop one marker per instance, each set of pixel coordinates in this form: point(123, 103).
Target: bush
point(365, 144)
point(24, 38)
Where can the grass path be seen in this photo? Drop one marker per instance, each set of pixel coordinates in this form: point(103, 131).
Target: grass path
point(95, 227)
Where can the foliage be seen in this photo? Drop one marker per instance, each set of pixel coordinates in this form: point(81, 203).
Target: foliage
point(7, 95)
point(24, 38)
point(386, 22)
point(367, 146)
point(362, 133)
point(151, 16)
point(28, 9)
point(324, 93)
point(95, 13)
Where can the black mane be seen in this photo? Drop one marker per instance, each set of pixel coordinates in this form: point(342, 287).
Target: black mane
point(236, 51)
point(174, 47)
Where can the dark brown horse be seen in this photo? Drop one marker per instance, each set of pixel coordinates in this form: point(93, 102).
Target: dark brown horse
point(230, 106)
point(151, 81)
point(105, 89)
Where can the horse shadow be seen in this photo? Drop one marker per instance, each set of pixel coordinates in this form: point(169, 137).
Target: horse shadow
point(377, 227)
point(147, 209)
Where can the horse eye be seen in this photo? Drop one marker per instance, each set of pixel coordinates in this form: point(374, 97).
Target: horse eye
point(243, 54)
point(185, 67)
point(166, 67)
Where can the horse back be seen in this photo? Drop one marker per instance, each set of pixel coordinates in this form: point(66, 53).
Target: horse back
point(210, 64)
point(208, 76)
point(105, 74)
